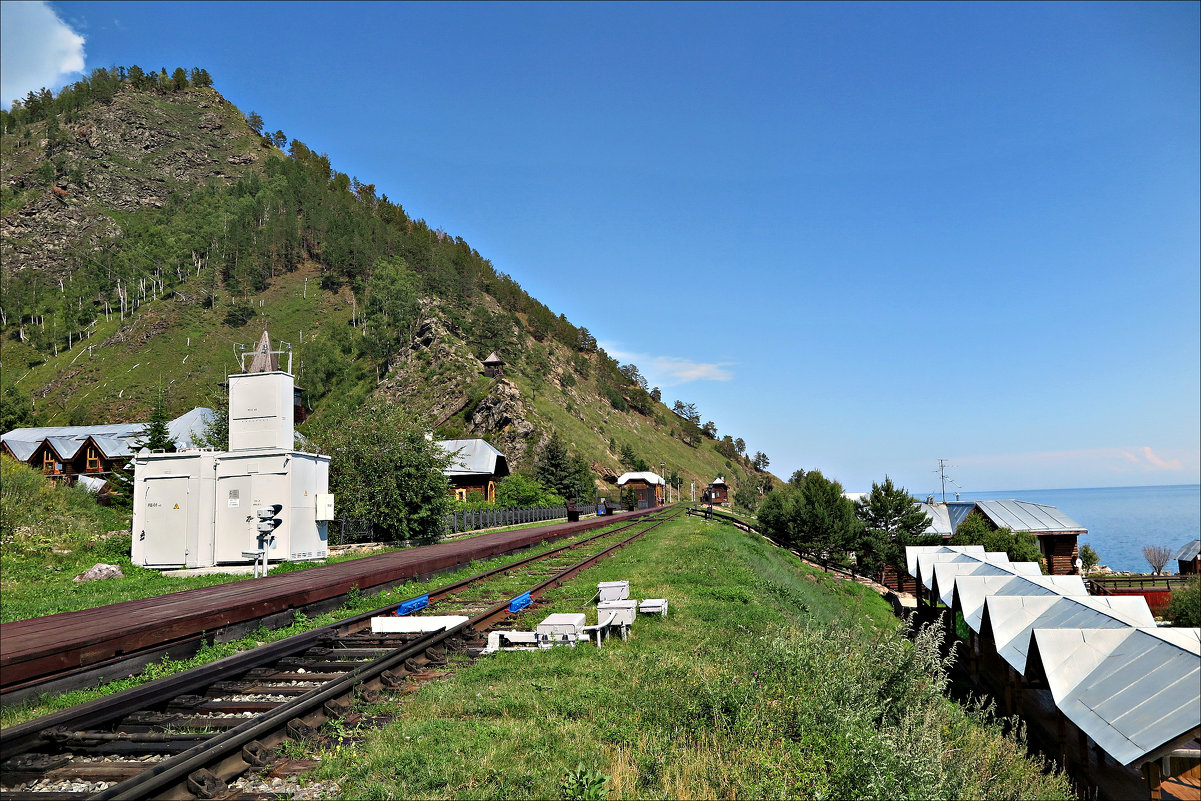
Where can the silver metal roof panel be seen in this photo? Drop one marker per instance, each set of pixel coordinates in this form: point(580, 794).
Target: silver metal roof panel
point(970, 591)
point(926, 562)
point(940, 520)
point(912, 552)
point(1025, 516)
point(21, 449)
point(1010, 620)
point(1131, 690)
point(473, 457)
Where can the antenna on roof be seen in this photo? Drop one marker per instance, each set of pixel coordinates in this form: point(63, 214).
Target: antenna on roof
point(944, 478)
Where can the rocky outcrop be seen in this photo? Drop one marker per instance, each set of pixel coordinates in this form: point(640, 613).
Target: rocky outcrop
point(127, 155)
point(501, 419)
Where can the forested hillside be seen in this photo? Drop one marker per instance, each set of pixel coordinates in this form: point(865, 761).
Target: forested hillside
point(150, 229)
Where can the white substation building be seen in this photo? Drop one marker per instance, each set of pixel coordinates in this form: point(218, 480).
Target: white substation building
point(261, 500)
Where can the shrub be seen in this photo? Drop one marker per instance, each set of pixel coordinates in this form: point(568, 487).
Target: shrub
point(1184, 609)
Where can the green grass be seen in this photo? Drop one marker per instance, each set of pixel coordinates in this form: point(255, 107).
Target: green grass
point(768, 679)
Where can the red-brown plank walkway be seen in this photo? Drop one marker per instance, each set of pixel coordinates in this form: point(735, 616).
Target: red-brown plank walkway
point(46, 645)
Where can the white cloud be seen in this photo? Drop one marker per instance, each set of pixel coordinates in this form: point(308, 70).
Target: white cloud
point(670, 371)
point(37, 49)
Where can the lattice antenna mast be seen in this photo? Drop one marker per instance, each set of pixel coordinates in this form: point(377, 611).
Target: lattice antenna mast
point(944, 478)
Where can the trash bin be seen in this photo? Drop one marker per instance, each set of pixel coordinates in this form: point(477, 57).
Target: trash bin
point(573, 513)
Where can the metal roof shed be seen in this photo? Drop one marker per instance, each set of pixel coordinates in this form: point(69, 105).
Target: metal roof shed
point(1135, 691)
point(971, 591)
point(1009, 620)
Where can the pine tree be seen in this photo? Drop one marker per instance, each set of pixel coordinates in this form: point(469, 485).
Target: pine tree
point(555, 469)
point(158, 436)
point(891, 520)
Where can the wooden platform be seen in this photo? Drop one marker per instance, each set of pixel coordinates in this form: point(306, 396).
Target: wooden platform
point(38, 647)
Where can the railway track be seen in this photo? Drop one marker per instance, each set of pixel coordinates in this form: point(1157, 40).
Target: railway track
point(189, 735)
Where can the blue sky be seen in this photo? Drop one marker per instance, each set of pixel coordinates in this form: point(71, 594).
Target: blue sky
point(861, 237)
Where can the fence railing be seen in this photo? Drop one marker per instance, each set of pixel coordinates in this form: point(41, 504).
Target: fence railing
point(475, 519)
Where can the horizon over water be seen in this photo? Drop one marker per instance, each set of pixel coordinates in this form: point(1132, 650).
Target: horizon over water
point(1120, 520)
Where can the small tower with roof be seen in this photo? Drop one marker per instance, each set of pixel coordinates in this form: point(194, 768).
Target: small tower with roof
point(494, 367)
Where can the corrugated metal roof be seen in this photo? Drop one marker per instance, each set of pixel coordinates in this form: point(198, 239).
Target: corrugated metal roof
point(958, 510)
point(21, 449)
point(1026, 516)
point(912, 552)
point(1188, 552)
point(474, 457)
point(1132, 690)
point(926, 562)
point(1009, 620)
point(66, 447)
point(970, 591)
point(945, 574)
point(185, 430)
point(647, 476)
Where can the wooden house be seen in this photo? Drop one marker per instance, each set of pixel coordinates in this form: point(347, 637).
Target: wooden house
point(1057, 534)
point(717, 493)
point(476, 466)
point(65, 452)
point(648, 486)
point(1188, 558)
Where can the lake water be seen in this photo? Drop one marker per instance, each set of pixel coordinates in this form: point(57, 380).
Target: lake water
point(1121, 520)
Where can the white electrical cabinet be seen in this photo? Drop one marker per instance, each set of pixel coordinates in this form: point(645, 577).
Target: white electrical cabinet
point(204, 508)
point(201, 508)
point(624, 612)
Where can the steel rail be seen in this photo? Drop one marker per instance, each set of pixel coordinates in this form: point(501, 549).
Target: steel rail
point(170, 778)
point(22, 737)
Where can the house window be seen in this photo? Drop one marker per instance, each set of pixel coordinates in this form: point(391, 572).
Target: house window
point(93, 465)
point(461, 494)
point(491, 491)
point(48, 463)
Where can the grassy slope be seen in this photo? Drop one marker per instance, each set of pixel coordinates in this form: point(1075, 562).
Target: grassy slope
point(768, 679)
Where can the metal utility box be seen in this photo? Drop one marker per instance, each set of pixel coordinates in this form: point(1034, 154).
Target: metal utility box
point(561, 628)
point(261, 411)
point(653, 606)
point(202, 508)
point(625, 612)
point(613, 590)
point(325, 506)
point(173, 509)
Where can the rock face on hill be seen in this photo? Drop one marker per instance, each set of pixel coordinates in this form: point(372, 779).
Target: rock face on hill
point(122, 156)
point(438, 375)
